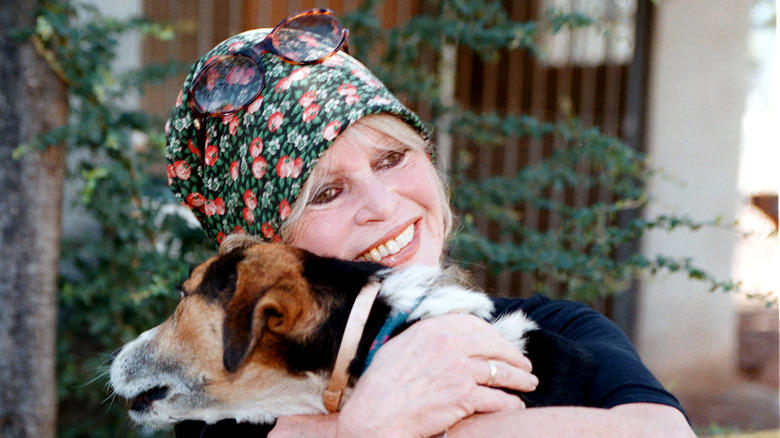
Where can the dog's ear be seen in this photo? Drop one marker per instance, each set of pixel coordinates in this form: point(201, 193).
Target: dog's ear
point(265, 308)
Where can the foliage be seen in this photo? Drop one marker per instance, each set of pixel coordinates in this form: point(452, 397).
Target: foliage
point(129, 245)
point(117, 273)
point(578, 257)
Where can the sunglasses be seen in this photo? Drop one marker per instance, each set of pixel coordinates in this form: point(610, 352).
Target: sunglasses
point(229, 83)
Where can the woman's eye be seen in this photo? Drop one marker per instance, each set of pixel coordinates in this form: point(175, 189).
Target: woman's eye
point(326, 195)
point(392, 159)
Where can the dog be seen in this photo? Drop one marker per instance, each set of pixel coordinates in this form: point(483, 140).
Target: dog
point(257, 330)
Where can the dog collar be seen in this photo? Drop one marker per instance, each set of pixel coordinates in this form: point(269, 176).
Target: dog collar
point(349, 345)
point(392, 323)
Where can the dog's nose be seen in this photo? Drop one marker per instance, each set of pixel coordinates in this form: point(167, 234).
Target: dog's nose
point(143, 401)
point(115, 353)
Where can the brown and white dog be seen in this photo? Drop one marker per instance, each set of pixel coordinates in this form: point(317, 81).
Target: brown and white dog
point(257, 330)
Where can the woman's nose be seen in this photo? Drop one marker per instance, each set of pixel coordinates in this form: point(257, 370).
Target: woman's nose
point(379, 201)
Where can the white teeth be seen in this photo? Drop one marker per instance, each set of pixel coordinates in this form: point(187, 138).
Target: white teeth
point(391, 246)
point(406, 236)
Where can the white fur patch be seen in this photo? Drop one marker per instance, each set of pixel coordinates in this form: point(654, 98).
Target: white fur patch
point(514, 327)
point(403, 289)
point(454, 299)
point(287, 396)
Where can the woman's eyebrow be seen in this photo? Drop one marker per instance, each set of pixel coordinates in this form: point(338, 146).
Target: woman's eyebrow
point(388, 141)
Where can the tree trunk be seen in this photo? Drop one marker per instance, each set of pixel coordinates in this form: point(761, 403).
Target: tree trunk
point(32, 100)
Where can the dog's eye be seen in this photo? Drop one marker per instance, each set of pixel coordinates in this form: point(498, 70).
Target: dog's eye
point(182, 293)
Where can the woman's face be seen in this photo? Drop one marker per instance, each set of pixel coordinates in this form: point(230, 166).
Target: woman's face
point(378, 199)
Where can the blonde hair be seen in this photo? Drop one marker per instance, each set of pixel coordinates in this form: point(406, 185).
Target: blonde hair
point(392, 127)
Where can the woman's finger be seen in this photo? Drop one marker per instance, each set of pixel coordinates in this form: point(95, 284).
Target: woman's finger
point(471, 336)
point(485, 400)
point(499, 374)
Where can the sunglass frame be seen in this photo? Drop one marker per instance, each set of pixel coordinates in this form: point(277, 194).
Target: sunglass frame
point(255, 53)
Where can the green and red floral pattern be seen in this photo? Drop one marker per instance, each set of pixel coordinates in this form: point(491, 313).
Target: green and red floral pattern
point(255, 161)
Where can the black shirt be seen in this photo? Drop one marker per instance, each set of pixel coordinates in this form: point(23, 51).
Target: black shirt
point(621, 377)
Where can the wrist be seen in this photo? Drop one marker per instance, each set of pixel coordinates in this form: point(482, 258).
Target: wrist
point(305, 426)
point(360, 425)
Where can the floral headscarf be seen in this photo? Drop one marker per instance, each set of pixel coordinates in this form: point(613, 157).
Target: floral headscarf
point(257, 159)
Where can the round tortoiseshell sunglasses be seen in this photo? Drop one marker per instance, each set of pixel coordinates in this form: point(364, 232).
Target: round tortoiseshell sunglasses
point(230, 82)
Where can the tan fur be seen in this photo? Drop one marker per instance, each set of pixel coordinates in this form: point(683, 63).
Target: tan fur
point(270, 279)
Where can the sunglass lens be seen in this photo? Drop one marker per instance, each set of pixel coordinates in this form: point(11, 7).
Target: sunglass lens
point(308, 38)
point(230, 83)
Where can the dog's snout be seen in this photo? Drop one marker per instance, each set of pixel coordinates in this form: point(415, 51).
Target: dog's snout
point(115, 353)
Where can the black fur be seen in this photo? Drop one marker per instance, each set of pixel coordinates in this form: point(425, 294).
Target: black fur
point(564, 370)
point(219, 280)
point(336, 284)
point(221, 429)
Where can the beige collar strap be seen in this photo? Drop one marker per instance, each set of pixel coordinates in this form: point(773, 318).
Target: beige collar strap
point(349, 345)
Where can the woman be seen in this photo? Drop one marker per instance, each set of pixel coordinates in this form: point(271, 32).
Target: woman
point(283, 136)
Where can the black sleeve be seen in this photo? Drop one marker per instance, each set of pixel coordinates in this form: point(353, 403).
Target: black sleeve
point(621, 377)
point(220, 429)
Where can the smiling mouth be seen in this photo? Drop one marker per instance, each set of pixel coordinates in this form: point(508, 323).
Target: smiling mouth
point(392, 246)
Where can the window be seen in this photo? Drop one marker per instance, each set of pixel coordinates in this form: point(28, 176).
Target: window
point(608, 41)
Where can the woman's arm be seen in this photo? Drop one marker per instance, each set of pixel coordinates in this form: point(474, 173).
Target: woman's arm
point(635, 420)
point(426, 379)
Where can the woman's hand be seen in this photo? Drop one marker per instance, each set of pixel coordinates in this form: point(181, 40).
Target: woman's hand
point(433, 375)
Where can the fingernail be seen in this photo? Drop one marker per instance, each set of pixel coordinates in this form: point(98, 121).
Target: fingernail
point(534, 380)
